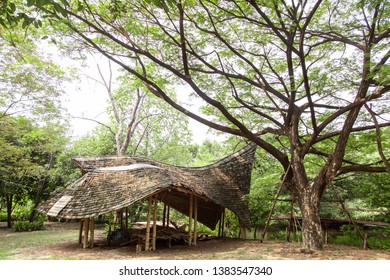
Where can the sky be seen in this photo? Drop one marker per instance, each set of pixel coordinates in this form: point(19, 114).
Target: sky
point(87, 98)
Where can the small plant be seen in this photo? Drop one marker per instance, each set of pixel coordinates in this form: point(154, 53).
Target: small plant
point(28, 226)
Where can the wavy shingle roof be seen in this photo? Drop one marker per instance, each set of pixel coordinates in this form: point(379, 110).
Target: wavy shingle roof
point(111, 183)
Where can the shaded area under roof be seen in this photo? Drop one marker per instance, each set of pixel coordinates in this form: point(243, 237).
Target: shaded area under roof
point(111, 183)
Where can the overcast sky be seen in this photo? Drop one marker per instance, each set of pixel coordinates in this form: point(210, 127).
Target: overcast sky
point(87, 98)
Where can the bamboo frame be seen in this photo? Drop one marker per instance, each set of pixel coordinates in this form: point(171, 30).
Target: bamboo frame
point(92, 230)
point(127, 217)
point(86, 231)
point(164, 215)
point(147, 237)
point(154, 236)
point(362, 236)
point(81, 231)
point(195, 220)
point(191, 208)
point(273, 205)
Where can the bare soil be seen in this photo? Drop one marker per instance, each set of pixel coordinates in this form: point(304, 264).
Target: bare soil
point(215, 249)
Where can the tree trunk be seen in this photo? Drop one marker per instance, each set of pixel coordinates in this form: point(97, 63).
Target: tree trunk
point(309, 203)
point(9, 210)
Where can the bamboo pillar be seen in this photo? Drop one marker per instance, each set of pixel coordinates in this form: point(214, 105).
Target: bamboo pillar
point(365, 241)
point(219, 226)
point(164, 215)
point(81, 231)
point(154, 236)
point(147, 237)
point(127, 217)
point(195, 219)
point(326, 235)
point(168, 214)
point(92, 229)
point(120, 212)
point(86, 230)
point(191, 208)
point(223, 222)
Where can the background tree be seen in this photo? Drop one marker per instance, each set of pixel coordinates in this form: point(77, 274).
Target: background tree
point(300, 71)
point(30, 83)
point(139, 123)
point(32, 129)
point(27, 162)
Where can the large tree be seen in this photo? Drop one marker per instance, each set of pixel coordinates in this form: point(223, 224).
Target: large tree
point(299, 72)
point(28, 154)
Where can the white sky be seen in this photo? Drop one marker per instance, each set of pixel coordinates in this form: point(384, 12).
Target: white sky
point(87, 98)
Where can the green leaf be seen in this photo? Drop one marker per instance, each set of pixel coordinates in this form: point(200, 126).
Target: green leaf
point(30, 3)
point(41, 3)
point(66, 4)
point(60, 9)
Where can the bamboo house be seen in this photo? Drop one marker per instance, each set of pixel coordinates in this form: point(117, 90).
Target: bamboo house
point(113, 183)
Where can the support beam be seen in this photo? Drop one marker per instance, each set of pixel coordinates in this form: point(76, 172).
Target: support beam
point(168, 215)
point(81, 231)
point(127, 217)
point(195, 220)
point(147, 237)
point(190, 220)
point(92, 230)
point(223, 222)
point(86, 230)
point(154, 236)
point(164, 215)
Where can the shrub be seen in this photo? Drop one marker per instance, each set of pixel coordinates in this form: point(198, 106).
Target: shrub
point(3, 216)
point(22, 212)
point(28, 226)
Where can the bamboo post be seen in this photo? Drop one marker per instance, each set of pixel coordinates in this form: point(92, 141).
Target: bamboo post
point(127, 217)
point(273, 205)
point(120, 212)
point(242, 231)
point(326, 235)
point(290, 223)
point(190, 220)
point(219, 226)
point(195, 219)
point(86, 230)
point(81, 231)
point(92, 229)
point(349, 216)
point(168, 214)
point(223, 222)
point(164, 215)
point(147, 237)
point(365, 241)
point(154, 236)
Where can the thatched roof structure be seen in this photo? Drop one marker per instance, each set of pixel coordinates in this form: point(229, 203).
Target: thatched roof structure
point(112, 183)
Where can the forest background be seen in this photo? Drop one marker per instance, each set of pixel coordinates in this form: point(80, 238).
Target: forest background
point(36, 140)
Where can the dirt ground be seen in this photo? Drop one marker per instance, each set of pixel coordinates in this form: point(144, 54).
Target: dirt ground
point(215, 249)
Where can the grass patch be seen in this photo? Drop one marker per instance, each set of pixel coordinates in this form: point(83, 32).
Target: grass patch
point(10, 242)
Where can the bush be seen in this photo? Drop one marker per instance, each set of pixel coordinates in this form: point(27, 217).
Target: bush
point(377, 238)
point(22, 212)
point(28, 226)
point(3, 216)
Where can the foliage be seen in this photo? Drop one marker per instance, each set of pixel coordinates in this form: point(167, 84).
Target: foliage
point(307, 77)
point(28, 226)
point(28, 154)
point(30, 83)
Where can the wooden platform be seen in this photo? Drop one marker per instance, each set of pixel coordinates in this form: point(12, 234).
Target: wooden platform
point(328, 222)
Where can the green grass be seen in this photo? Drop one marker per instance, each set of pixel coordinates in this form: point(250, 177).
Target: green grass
point(11, 242)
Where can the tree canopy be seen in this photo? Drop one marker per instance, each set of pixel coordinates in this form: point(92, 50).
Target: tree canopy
point(298, 78)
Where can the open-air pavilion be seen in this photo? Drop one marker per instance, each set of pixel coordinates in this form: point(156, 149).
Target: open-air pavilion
point(113, 183)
